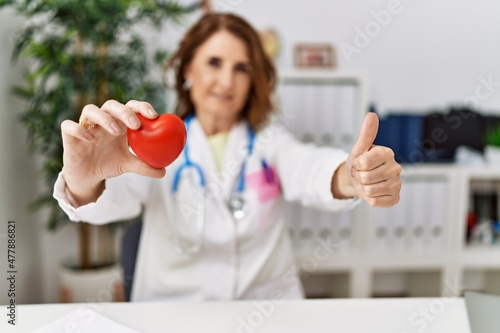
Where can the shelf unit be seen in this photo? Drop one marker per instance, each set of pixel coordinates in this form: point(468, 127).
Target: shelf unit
point(449, 271)
point(362, 269)
point(478, 263)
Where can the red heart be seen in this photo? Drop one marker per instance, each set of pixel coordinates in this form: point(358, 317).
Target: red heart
point(158, 142)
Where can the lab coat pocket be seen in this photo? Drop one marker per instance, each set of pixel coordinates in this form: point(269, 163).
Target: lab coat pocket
point(265, 183)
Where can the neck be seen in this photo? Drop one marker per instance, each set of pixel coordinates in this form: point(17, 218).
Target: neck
point(212, 124)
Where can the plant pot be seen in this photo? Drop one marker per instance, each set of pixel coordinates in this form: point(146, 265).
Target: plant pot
point(92, 285)
point(492, 155)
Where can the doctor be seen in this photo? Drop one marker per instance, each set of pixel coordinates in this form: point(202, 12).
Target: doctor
point(225, 84)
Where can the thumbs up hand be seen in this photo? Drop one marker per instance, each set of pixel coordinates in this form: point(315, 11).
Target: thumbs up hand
point(373, 173)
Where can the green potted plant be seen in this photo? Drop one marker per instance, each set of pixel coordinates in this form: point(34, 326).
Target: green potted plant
point(85, 52)
point(492, 148)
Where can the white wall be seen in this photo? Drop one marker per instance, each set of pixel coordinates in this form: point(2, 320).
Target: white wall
point(17, 178)
point(430, 55)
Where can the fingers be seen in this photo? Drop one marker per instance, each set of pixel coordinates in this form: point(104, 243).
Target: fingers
point(379, 175)
point(376, 177)
point(388, 187)
point(367, 135)
point(381, 194)
point(143, 108)
point(70, 128)
point(385, 201)
point(93, 115)
point(115, 117)
point(127, 113)
point(373, 158)
point(134, 164)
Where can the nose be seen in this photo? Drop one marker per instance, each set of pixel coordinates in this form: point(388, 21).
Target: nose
point(226, 78)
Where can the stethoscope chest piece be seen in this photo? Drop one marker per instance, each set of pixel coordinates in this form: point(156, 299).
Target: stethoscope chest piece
point(237, 206)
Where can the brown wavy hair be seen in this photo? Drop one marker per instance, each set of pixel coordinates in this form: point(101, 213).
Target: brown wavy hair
point(259, 105)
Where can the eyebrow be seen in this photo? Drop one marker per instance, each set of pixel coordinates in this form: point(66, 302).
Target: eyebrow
point(244, 62)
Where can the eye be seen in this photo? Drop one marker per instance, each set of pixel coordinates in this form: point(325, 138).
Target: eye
point(242, 68)
point(214, 62)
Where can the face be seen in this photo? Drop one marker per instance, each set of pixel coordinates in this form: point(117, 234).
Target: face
point(220, 78)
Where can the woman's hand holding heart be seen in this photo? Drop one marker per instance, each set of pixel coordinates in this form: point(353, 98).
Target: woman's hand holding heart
point(97, 148)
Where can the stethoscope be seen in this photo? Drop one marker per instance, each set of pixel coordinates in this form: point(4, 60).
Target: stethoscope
point(237, 205)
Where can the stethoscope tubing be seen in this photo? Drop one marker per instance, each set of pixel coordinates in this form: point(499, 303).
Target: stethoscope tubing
point(200, 219)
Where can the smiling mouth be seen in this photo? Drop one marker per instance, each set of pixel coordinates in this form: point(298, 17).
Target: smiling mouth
point(224, 97)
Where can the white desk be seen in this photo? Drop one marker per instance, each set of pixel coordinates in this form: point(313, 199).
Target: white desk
point(332, 315)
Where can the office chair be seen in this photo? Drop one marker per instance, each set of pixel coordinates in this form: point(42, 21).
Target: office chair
point(130, 244)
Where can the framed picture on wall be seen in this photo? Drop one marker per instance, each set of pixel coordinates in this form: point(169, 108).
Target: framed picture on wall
point(315, 56)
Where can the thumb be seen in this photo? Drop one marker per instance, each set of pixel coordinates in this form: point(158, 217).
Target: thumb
point(367, 135)
point(134, 164)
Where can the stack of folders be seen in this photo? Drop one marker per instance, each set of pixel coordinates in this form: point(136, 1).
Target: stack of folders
point(325, 114)
point(312, 229)
point(403, 133)
point(416, 223)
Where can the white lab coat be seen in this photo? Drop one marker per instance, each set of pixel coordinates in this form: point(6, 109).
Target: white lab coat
point(247, 259)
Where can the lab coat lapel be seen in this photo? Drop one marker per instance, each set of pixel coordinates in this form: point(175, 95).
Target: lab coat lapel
point(232, 161)
point(219, 186)
point(199, 149)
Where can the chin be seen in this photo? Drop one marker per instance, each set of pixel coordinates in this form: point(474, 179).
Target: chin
point(221, 112)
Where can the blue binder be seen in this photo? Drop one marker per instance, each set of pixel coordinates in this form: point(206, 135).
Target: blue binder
point(402, 133)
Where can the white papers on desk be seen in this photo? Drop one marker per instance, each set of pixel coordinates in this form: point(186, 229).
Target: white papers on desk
point(83, 322)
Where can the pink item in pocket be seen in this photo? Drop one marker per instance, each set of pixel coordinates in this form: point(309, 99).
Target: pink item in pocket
point(266, 185)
